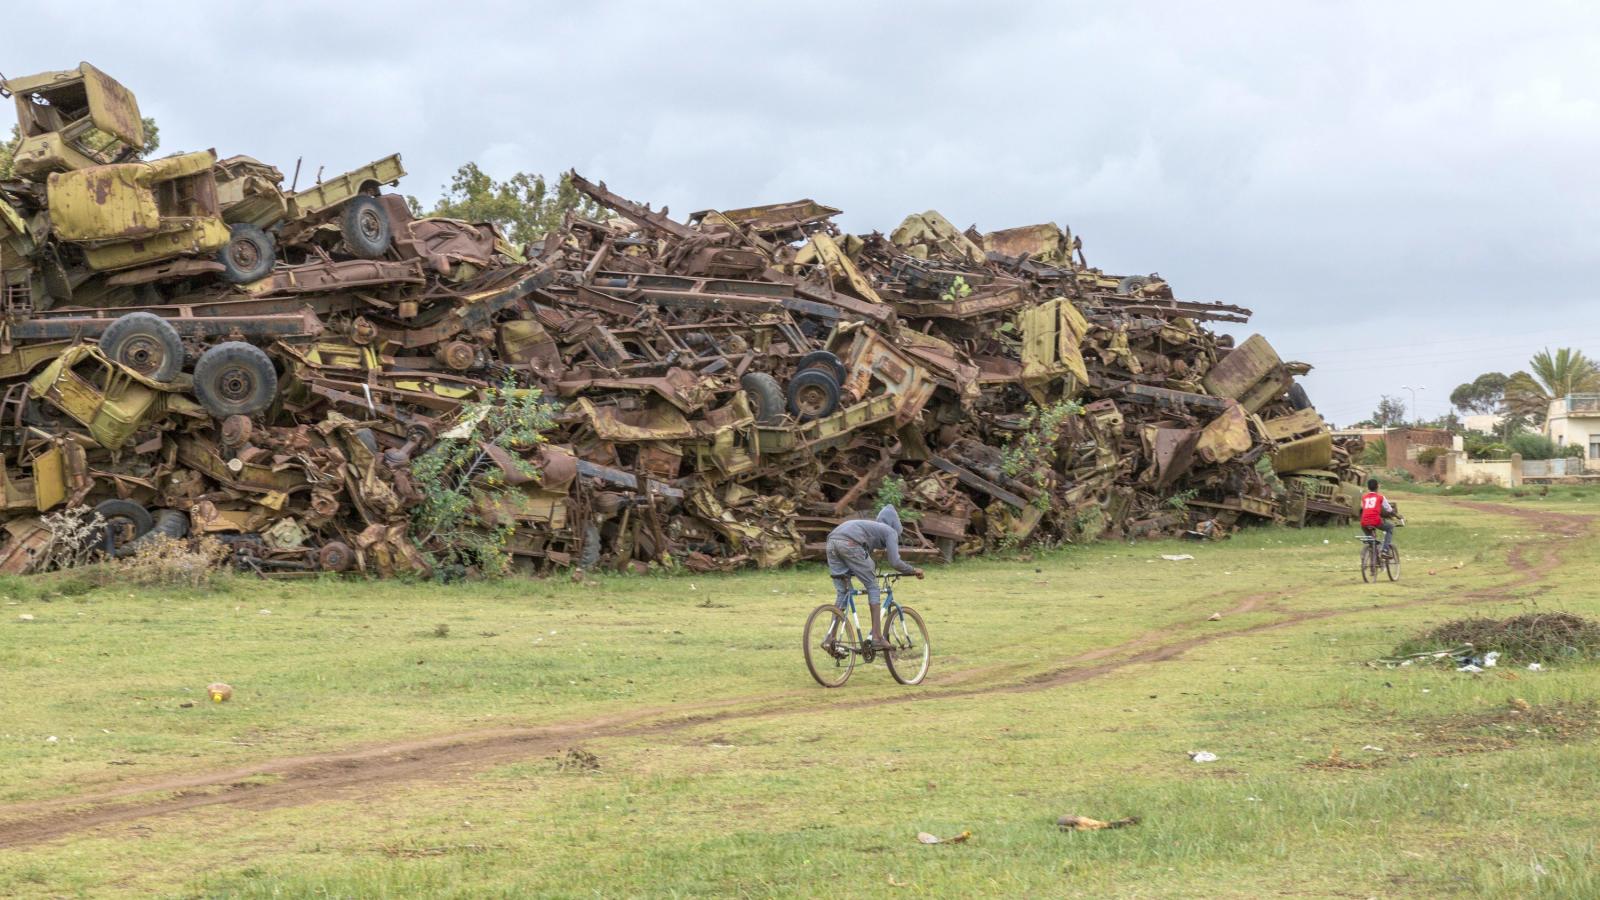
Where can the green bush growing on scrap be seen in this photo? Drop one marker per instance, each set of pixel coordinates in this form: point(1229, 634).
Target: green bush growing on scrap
point(457, 479)
point(1031, 455)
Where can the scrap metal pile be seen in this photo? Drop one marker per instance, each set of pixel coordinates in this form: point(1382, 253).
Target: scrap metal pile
point(191, 349)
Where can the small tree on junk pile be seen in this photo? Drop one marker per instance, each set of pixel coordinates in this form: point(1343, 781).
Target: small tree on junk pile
point(469, 480)
point(1032, 454)
point(524, 207)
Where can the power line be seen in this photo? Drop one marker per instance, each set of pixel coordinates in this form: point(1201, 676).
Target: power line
point(1346, 366)
point(1490, 339)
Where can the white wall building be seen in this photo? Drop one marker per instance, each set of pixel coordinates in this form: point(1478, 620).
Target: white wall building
point(1575, 419)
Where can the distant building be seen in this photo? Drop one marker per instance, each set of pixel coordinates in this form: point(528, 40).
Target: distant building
point(1405, 445)
point(1488, 424)
point(1575, 419)
point(1367, 435)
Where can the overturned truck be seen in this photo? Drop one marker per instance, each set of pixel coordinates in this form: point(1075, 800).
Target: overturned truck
point(323, 381)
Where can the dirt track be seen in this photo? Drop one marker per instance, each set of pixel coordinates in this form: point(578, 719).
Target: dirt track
point(308, 779)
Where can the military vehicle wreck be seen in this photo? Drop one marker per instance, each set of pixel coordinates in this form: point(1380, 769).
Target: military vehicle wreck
point(193, 349)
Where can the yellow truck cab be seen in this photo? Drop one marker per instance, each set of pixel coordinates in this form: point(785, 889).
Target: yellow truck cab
point(73, 119)
point(135, 213)
point(109, 399)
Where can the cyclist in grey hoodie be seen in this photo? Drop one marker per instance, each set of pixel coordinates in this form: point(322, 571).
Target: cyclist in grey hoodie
point(850, 549)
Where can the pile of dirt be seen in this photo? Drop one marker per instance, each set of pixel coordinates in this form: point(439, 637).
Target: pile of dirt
point(1543, 638)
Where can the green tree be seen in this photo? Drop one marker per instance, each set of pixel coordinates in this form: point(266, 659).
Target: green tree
point(523, 207)
point(1551, 376)
point(1482, 395)
point(1447, 422)
point(1391, 411)
point(8, 152)
point(1533, 446)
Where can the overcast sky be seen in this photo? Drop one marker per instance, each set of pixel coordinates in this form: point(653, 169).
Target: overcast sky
point(1404, 193)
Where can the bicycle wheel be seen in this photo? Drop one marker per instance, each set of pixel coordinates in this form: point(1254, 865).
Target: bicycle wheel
point(908, 660)
point(830, 665)
point(1369, 563)
point(1391, 564)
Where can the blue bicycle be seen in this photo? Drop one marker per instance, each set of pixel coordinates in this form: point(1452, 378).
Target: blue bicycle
point(833, 641)
point(1374, 558)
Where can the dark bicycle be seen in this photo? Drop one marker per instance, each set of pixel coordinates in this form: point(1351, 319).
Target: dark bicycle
point(1373, 558)
point(833, 641)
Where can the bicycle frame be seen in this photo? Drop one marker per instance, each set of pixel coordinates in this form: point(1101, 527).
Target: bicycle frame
point(886, 582)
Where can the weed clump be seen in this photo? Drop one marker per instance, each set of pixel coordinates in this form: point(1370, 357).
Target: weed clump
point(578, 760)
point(1544, 638)
point(162, 561)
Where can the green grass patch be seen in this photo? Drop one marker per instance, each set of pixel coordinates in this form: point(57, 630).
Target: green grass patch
point(1571, 493)
point(1449, 784)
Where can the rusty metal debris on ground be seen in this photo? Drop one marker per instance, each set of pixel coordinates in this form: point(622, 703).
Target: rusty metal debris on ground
point(192, 350)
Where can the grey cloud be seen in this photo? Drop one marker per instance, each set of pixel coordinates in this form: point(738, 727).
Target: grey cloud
point(1409, 176)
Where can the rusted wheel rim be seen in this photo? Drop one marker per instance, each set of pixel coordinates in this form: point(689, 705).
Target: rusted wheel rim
point(334, 557)
point(811, 399)
point(235, 430)
point(244, 255)
point(142, 353)
point(459, 355)
point(236, 383)
point(370, 225)
point(122, 529)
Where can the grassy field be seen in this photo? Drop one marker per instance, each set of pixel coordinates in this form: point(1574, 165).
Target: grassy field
point(660, 736)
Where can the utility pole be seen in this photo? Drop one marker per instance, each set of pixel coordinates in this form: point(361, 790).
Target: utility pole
point(1415, 416)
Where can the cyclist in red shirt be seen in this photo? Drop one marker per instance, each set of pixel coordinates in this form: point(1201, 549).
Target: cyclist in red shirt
point(1376, 510)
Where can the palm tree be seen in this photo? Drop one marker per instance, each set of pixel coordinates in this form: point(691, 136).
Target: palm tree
point(1556, 375)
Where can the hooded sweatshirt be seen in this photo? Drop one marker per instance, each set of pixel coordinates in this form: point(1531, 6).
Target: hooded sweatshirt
point(882, 533)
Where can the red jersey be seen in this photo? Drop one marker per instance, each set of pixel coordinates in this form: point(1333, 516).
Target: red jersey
point(1372, 504)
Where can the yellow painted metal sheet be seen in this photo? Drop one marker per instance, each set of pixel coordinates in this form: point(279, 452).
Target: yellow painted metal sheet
point(1052, 346)
point(1227, 436)
point(822, 248)
point(104, 203)
point(199, 236)
point(112, 107)
point(49, 479)
point(1287, 427)
point(1314, 452)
